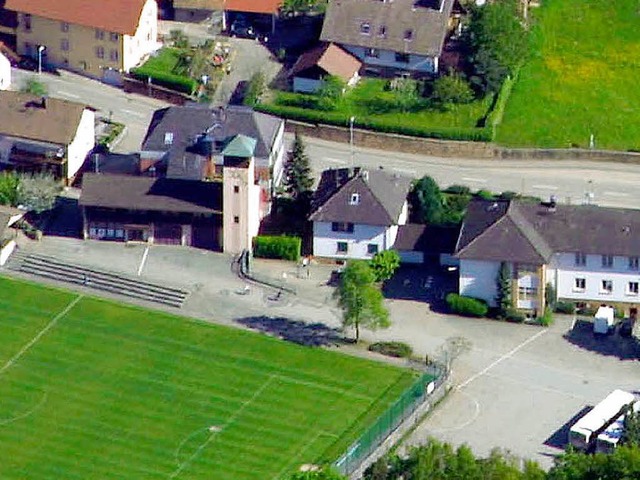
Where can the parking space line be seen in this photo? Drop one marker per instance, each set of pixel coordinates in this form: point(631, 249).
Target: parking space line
point(143, 261)
point(500, 360)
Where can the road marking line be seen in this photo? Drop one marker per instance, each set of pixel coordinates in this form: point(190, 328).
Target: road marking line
point(33, 341)
point(615, 194)
point(473, 179)
point(131, 112)
point(333, 160)
point(544, 187)
point(67, 94)
point(144, 260)
point(500, 360)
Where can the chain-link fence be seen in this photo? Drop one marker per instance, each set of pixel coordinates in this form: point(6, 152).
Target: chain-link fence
point(391, 419)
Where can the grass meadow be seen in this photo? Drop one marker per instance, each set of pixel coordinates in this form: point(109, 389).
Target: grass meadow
point(95, 389)
point(581, 78)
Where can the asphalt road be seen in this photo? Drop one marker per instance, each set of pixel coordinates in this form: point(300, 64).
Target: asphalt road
point(133, 110)
point(612, 184)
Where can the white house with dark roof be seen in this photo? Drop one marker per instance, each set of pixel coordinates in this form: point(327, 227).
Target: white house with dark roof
point(589, 254)
point(390, 36)
point(356, 213)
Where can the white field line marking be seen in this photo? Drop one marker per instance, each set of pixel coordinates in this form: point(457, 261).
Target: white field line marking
point(7, 421)
point(473, 179)
point(341, 391)
point(232, 419)
point(544, 187)
point(500, 360)
point(301, 451)
point(67, 94)
point(33, 341)
point(143, 261)
point(474, 417)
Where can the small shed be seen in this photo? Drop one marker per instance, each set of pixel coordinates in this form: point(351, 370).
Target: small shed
point(326, 59)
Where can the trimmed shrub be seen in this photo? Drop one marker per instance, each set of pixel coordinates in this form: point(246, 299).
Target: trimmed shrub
point(467, 306)
point(565, 307)
point(255, 89)
point(485, 195)
point(457, 190)
point(282, 247)
point(166, 79)
point(546, 319)
point(514, 316)
point(392, 349)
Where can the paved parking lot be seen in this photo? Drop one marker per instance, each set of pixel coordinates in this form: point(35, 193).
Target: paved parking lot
point(518, 387)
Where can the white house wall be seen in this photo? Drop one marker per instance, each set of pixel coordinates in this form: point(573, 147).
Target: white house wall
point(5, 73)
point(566, 272)
point(325, 241)
point(82, 144)
point(479, 279)
point(145, 40)
point(387, 59)
point(6, 251)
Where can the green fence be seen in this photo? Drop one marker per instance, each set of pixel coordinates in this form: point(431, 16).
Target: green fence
point(408, 403)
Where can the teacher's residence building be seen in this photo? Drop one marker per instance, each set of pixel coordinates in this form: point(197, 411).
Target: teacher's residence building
point(588, 254)
point(100, 39)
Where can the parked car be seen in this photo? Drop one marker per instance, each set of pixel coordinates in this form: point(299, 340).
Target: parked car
point(242, 28)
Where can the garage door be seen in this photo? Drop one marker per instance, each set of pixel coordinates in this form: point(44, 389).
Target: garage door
point(205, 236)
point(167, 234)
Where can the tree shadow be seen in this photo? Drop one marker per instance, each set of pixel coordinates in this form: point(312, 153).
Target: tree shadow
point(560, 438)
point(613, 345)
point(295, 331)
point(64, 220)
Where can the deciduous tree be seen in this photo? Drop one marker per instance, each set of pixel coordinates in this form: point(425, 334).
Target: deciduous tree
point(384, 264)
point(38, 192)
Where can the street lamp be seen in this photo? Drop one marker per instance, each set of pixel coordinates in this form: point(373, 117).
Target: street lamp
point(351, 120)
point(41, 48)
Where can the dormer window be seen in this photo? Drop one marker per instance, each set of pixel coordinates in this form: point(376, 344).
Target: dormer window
point(365, 28)
point(408, 35)
point(355, 199)
point(168, 138)
point(382, 32)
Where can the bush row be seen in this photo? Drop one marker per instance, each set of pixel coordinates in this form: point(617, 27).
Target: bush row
point(377, 124)
point(392, 349)
point(494, 118)
point(281, 247)
point(467, 306)
point(166, 79)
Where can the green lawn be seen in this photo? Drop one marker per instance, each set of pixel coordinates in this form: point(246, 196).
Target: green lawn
point(111, 392)
point(582, 78)
point(167, 60)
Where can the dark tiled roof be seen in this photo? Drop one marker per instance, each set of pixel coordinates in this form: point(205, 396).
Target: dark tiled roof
point(532, 232)
point(50, 120)
point(426, 238)
point(154, 194)
point(331, 59)
point(381, 197)
point(427, 22)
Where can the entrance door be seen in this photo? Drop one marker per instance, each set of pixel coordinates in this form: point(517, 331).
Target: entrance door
point(136, 235)
point(167, 234)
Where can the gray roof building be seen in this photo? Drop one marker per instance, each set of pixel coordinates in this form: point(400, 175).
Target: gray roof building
point(524, 232)
point(359, 196)
point(407, 26)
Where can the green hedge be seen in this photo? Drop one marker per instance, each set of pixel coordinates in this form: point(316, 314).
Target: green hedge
point(494, 118)
point(377, 124)
point(283, 247)
point(392, 349)
point(515, 316)
point(166, 79)
point(565, 307)
point(467, 306)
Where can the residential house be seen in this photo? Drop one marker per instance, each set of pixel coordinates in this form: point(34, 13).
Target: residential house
point(196, 10)
point(8, 25)
point(187, 142)
point(327, 59)
point(588, 254)
point(356, 213)
point(97, 39)
point(44, 134)
point(8, 217)
point(390, 37)
point(5, 72)
point(221, 214)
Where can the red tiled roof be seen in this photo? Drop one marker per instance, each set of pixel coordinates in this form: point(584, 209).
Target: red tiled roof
point(330, 58)
point(253, 6)
point(119, 16)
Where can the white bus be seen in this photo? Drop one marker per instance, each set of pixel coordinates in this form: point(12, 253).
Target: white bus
point(608, 440)
point(583, 433)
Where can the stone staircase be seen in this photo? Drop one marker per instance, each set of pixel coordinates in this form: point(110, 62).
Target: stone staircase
point(55, 269)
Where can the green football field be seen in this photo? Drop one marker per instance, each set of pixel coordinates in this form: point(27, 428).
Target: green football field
point(91, 389)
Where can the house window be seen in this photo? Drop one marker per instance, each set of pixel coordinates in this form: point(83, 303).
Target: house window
point(100, 51)
point(113, 55)
point(26, 22)
point(365, 28)
point(355, 199)
point(372, 52)
point(382, 32)
point(408, 35)
point(236, 219)
point(64, 27)
point(64, 44)
point(342, 227)
point(581, 259)
point(579, 284)
point(236, 189)
point(632, 288)
point(372, 248)
point(527, 293)
point(606, 287)
point(342, 247)
point(113, 37)
point(634, 263)
point(607, 261)
point(402, 57)
point(99, 34)
point(168, 138)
